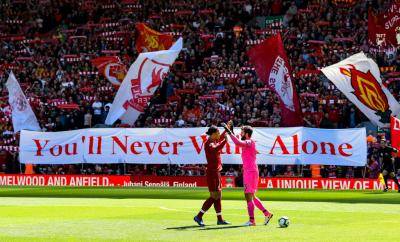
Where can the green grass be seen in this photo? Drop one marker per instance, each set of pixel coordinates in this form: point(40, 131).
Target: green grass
point(165, 214)
point(201, 193)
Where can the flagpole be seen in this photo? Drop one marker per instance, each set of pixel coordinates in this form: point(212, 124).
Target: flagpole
point(169, 166)
point(365, 170)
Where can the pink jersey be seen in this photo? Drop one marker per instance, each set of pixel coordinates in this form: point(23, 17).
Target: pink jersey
point(249, 154)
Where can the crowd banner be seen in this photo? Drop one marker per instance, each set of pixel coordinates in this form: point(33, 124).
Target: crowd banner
point(64, 180)
point(383, 28)
point(177, 181)
point(323, 183)
point(189, 182)
point(296, 145)
point(395, 133)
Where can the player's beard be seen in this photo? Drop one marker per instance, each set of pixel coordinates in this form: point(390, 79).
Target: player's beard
point(243, 137)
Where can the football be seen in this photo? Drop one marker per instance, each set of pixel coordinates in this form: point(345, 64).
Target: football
point(283, 222)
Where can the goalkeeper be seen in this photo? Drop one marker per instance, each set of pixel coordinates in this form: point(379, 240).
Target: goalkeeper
point(250, 171)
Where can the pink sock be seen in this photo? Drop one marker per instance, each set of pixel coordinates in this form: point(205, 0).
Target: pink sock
point(250, 210)
point(260, 206)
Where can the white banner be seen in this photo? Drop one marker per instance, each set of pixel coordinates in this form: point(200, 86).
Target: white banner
point(144, 76)
point(358, 77)
point(22, 114)
point(185, 146)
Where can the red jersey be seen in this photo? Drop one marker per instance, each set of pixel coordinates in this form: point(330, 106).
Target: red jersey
point(213, 153)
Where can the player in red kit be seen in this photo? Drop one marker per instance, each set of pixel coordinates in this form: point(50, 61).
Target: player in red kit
point(212, 148)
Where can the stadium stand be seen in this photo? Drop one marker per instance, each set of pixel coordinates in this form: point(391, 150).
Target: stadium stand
point(49, 45)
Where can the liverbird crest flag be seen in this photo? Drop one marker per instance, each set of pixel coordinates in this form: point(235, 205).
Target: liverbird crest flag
point(144, 76)
point(150, 40)
point(110, 67)
point(358, 77)
point(22, 115)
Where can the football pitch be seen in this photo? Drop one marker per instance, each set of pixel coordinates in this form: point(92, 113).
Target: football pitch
point(166, 214)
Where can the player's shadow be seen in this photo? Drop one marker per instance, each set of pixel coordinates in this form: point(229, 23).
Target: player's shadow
point(185, 227)
point(205, 227)
point(224, 227)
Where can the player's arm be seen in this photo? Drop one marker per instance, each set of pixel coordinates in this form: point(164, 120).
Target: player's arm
point(219, 145)
point(222, 137)
point(242, 143)
point(233, 137)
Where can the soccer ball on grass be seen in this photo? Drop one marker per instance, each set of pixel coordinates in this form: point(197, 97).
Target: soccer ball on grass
point(283, 222)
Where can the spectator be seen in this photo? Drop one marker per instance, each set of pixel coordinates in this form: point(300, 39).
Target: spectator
point(326, 122)
point(97, 111)
point(87, 120)
point(373, 168)
point(289, 172)
point(331, 171)
point(105, 113)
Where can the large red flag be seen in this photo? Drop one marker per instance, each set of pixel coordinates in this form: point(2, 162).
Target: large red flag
point(272, 67)
point(376, 32)
point(395, 132)
point(151, 40)
point(111, 67)
point(384, 28)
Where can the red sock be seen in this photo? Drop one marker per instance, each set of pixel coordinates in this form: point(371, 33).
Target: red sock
point(250, 210)
point(206, 205)
point(260, 206)
point(218, 209)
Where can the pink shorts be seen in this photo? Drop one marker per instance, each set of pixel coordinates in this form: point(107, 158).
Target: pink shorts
point(250, 181)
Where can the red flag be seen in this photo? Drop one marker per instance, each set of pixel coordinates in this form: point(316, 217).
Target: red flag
point(376, 32)
point(384, 28)
point(111, 67)
point(151, 40)
point(395, 132)
point(272, 67)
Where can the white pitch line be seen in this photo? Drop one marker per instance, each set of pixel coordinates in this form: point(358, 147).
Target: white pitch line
point(171, 209)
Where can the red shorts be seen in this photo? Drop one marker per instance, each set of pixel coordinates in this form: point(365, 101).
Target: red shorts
point(214, 181)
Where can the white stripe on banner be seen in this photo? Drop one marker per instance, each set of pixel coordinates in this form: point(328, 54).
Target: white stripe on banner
point(186, 146)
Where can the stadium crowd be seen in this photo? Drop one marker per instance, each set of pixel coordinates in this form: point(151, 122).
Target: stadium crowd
point(49, 45)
